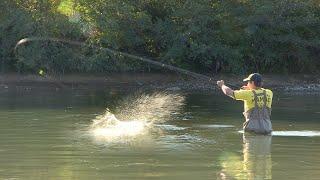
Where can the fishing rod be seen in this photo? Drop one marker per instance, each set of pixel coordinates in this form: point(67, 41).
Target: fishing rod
point(115, 52)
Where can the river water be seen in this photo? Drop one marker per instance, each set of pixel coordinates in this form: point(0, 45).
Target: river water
point(50, 134)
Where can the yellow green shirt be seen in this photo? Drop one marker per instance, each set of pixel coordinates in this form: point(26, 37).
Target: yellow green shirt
point(248, 97)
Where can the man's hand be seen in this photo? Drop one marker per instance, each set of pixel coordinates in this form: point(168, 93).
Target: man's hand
point(220, 83)
point(225, 89)
point(245, 88)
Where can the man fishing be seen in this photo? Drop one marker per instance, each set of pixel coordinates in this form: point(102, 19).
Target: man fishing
point(257, 103)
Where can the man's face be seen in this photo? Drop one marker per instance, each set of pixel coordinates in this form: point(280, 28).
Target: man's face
point(250, 85)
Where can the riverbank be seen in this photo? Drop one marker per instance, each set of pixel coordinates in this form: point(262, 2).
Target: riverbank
point(154, 81)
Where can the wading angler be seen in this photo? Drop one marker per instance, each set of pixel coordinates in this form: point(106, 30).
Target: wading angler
point(257, 103)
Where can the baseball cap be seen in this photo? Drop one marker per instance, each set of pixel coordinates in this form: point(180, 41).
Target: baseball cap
point(255, 77)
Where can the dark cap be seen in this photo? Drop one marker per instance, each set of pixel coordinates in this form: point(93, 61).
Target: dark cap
point(255, 77)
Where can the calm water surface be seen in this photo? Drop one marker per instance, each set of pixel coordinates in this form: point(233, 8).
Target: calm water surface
point(44, 134)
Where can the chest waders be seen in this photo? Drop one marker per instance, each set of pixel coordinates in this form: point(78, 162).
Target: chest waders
point(258, 118)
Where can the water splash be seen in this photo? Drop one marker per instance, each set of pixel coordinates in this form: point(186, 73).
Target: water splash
point(108, 126)
point(156, 107)
point(135, 116)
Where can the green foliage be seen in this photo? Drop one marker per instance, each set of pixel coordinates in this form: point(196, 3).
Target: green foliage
point(244, 36)
point(281, 36)
point(20, 19)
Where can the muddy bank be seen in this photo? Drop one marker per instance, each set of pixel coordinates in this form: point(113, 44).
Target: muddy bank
point(173, 82)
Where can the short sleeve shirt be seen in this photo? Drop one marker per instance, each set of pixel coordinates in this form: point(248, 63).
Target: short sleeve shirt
point(247, 97)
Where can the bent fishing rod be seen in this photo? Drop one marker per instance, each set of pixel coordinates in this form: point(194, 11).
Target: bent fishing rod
point(114, 52)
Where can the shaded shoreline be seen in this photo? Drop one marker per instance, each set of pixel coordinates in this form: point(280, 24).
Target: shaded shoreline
point(157, 81)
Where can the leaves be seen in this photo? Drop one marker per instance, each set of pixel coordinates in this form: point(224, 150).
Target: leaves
point(205, 36)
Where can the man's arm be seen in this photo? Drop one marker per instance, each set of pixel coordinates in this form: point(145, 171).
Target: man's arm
point(225, 89)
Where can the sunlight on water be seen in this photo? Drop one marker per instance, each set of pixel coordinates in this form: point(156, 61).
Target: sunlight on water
point(135, 116)
point(294, 133)
point(215, 126)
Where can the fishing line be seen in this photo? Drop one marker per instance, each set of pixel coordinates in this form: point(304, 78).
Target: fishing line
point(114, 52)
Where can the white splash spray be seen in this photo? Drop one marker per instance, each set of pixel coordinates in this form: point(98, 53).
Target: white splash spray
point(135, 116)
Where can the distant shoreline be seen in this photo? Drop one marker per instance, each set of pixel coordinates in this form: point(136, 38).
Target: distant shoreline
point(171, 82)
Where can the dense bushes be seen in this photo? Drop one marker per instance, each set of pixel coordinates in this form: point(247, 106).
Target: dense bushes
point(280, 36)
point(20, 19)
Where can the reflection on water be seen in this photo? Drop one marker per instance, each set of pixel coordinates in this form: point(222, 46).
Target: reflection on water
point(256, 162)
point(257, 156)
